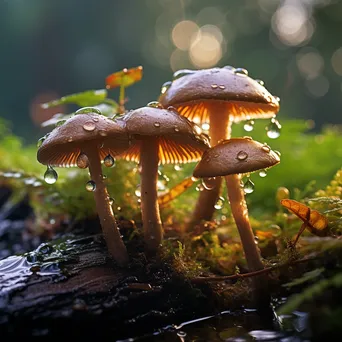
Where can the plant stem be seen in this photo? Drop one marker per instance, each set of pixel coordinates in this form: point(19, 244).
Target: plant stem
point(122, 99)
point(149, 159)
point(110, 230)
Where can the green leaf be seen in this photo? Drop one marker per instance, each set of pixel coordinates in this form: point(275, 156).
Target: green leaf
point(305, 278)
point(86, 98)
point(309, 293)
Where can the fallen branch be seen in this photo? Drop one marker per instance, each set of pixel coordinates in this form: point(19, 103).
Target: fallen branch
point(198, 280)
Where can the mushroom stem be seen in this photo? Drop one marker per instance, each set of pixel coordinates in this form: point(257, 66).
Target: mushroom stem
point(240, 213)
point(149, 159)
point(220, 128)
point(104, 209)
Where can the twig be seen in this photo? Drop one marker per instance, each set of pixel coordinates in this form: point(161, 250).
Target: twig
point(198, 280)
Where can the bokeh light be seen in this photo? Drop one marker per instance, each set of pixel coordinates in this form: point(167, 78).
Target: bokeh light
point(310, 63)
point(183, 32)
point(205, 50)
point(336, 61)
point(291, 23)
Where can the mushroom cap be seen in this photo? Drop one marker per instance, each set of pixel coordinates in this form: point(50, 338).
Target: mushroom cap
point(180, 141)
point(65, 143)
point(244, 97)
point(236, 155)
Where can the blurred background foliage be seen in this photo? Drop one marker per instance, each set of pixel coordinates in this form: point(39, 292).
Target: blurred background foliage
point(52, 48)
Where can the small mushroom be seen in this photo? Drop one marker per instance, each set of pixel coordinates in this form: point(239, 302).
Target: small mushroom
point(85, 140)
point(159, 136)
point(219, 96)
point(230, 158)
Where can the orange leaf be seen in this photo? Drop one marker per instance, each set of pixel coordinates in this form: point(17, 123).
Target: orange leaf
point(314, 221)
point(174, 192)
point(125, 78)
point(262, 235)
point(318, 222)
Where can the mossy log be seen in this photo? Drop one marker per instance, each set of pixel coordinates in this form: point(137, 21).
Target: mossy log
point(74, 289)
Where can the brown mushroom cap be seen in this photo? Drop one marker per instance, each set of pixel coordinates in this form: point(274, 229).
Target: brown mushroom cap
point(180, 141)
point(65, 143)
point(233, 156)
point(245, 97)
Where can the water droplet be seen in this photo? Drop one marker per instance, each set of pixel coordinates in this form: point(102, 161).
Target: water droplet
point(219, 203)
point(282, 193)
point(104, 177)
point(249, 125)
point(229, 67)
point(205, 126)
point(82, 161)
point(138, 192)
point(155, 104)
point(177, 167)
point(165, 87)
point(40, 142)
point(176, 129)
point(277, 152)
point(36, 184)
point(214, 86)
point(161, 185)
point(276, 98)
point(242, 155)
point(209, 183)
point(88, 110)
point(197, 129)
point(96, 119)
point(247, 137)
point(273, 129)
point(111, 200)
point(266, 148)
point(45, 249)
point(109, 161)
point(89, 126)
point(260, 82)
point(90, 186)
point(194, 179)
point(156, 124)
point(172, 109)
point(241, 71)
point(181, 73)
point(263, 173)
point(60, 123)
point(29, 181)
point(248, 186)
point(70, 139)
point(199, 187)
point(181, 333)
point(222, 87)
point(50, 175)
point(103, 133)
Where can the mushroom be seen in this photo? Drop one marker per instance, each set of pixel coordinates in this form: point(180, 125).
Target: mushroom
point(219, 96)
point(85, 140)
point(159, 136)
point(230, 158)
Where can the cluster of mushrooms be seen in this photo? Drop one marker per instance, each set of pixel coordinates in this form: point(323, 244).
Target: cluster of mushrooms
point(166, 132)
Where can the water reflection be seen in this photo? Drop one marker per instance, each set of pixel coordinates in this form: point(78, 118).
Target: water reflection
point(236, 326)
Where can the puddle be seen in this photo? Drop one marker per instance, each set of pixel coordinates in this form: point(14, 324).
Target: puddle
point(238, 326)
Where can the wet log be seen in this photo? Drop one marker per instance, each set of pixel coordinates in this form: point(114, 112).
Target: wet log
point(74, 289)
